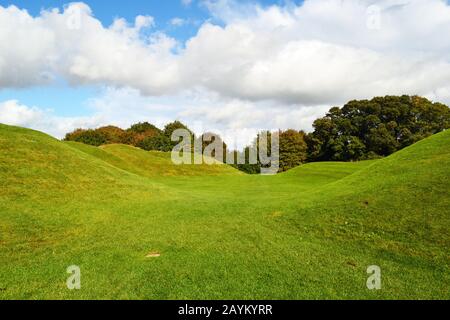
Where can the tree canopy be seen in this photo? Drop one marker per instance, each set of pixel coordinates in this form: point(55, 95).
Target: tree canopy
point(368, 129)
point(293, 149)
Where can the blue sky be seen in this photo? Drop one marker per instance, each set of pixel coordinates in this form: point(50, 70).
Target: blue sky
point(107, 11)
point(73, 101)
point(223, 65)
point(162, 10)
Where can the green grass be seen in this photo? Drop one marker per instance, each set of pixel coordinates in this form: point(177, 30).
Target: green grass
point(309, 233)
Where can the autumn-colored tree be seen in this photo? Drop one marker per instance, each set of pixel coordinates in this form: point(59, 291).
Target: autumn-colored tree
point(112, 134)
point(90, 137)
point(138, 132)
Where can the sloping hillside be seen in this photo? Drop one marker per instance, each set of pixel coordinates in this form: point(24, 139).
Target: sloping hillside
point(308, 233)
point(31, 161)
point(150, 163)
point(405, 194)
point(396, 210)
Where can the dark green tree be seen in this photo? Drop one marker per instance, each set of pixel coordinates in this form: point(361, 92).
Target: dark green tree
point(293, 149)
point(208, 139)
point(367, 129)
point(156, 143)
point(170, 128)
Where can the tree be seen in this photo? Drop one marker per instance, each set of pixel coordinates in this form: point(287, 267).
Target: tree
point(138, 132)
point(381, 141)
point(90, 137)
point(215, 143)
point(112, 134)
point(372, 128)
point(293, 149)
point(170, 128)
point(156, 143)
point(246, 166)
point(143, 127)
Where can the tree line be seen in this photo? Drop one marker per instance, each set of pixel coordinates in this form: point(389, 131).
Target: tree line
point(360, 130)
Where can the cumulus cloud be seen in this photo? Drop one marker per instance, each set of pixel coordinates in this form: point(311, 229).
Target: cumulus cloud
point(248, 67)
point(16, 114)
point(318, 52)
point(74, 45)
point(12, 113)
point(323, 51)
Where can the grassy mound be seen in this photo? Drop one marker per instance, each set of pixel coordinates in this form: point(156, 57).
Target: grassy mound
point(150, 164)
point(308, 233)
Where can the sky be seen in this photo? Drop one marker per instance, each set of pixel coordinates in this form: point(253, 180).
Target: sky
point(232, 67)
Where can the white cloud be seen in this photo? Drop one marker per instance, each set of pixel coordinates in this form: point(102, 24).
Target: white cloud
point(16, 114)
point(186, 3)
point(74, 45)
point(323, 51)
point(12, 113)
point(144, 22)
point(259, 67)
point(177, 22)
point(319, 52)
point(236, 120)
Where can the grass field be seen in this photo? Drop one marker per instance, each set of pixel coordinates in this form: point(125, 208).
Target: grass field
point(309, 233)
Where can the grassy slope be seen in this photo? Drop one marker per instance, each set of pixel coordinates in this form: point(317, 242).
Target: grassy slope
point(307, 233)
point(149, 164)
